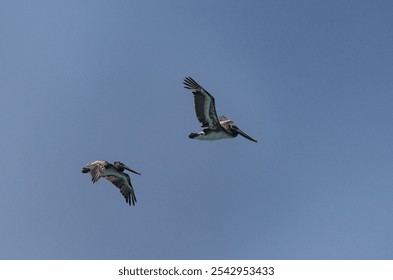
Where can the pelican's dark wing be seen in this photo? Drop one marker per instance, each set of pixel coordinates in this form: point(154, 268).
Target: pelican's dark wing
point(204, 104)
point(96, 169)
point(123, 182)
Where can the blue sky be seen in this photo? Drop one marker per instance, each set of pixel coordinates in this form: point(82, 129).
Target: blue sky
point(88, 80)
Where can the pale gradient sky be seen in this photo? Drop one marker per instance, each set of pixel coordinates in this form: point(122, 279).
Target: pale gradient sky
point(88, 80)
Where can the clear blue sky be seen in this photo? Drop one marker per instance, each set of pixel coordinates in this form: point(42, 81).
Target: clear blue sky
point(88, 80)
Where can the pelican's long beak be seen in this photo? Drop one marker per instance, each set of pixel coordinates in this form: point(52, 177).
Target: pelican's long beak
point(243, 134)
point(133, 171)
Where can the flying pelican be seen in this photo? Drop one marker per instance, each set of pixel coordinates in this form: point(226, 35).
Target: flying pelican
point(114, 173)
point(214, 128)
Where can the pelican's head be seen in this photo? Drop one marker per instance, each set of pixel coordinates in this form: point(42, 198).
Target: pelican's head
point(237, 130)
point(121, 167)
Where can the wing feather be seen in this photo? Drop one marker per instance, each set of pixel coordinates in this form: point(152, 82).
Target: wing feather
point(97, 169)
point(125, 186)
point(205, 107)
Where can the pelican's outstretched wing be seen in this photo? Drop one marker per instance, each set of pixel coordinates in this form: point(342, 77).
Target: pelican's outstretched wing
point(123, 182)
point(96, 169)
point(205, 108)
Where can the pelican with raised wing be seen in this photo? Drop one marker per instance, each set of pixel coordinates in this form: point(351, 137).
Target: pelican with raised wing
point(214, 127)
point(114, 173)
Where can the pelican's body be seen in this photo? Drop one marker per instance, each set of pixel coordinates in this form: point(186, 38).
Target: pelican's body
point(114, 173)
point(214, 127)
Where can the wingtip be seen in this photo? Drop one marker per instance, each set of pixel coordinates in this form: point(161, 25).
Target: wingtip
point(189, 83)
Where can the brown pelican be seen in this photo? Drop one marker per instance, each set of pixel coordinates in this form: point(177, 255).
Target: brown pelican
point(214, 128)
point(114, 174)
